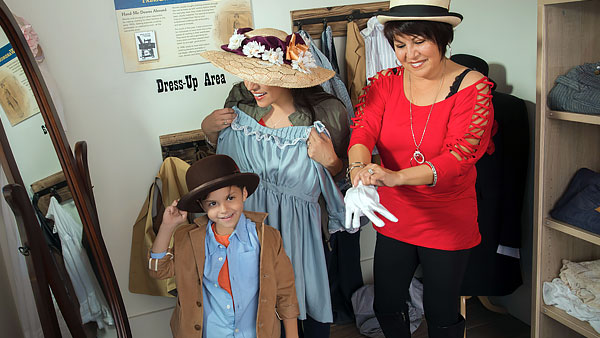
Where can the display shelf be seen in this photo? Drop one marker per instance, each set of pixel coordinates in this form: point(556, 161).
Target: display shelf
point(574, 117)
point(561, 316)
point(565, 142)
point(573, 231)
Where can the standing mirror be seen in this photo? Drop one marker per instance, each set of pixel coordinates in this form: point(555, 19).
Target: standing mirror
point(50, 194)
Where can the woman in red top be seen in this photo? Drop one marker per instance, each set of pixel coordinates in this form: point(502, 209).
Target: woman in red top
point(431, 120)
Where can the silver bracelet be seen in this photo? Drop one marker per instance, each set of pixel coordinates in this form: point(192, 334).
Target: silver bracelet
point(434, 174)
point(352, 167)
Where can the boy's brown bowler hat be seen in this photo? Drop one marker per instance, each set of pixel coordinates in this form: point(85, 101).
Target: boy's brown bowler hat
point(212, 173)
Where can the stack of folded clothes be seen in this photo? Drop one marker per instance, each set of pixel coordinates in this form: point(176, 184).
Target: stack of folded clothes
point(577, 291)
point(580, 204)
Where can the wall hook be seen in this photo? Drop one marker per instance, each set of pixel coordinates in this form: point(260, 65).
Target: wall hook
point(54, 193)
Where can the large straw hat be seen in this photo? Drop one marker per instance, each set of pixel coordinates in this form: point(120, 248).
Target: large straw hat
point(424, 10)
point(269, 57)
point(212, 173)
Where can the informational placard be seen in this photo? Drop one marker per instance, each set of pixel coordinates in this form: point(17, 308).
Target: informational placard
point(16, 97)
point(167, 33)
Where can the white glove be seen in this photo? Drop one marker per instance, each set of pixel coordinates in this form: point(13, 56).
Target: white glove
point(364, 200)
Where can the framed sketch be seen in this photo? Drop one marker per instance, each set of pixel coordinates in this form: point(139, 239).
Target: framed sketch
point(146, 46)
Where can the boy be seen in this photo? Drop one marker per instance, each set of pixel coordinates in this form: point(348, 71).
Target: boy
point(233, 276)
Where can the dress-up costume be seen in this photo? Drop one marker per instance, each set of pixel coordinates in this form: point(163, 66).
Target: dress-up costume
point(92, 304)
point(289, 190)
point(443, 216)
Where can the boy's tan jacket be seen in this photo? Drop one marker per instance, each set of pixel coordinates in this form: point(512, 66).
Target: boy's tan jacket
point(277, 293)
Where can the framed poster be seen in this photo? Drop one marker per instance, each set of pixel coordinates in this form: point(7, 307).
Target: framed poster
point(158, 34)
point(16, 96)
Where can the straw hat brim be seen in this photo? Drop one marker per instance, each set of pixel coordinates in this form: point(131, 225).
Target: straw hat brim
point(451, 19)
point(189, 201)
point(266, 73)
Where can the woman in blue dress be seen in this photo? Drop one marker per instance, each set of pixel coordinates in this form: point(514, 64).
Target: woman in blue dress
point(281, 125)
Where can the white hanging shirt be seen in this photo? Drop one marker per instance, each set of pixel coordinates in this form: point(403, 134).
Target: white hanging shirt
point(379, 54)
point(92, 304)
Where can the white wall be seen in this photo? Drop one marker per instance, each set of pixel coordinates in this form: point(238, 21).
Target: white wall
point(121, 116)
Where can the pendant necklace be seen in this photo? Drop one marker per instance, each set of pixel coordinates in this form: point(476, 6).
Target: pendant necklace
point(418, 155)
point(276, 123)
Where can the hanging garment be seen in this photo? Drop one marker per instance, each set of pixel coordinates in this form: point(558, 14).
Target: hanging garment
point(334, 86)
point(289, 190)
point(328, 48)
point(92, 304)
point(500, 187)
point(355, 62)
point(494, 267)
point(379, 54)
point(169, 185)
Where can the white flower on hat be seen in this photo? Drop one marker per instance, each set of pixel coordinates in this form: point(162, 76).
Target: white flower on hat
point(253, 49)
point(274, 56)
point(304, 62)
point(235, 41)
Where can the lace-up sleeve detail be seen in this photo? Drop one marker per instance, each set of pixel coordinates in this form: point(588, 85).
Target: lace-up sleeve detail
point(369, 110)
point(469, 131)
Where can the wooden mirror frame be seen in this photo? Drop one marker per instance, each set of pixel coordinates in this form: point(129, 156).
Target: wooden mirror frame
point(78, 179)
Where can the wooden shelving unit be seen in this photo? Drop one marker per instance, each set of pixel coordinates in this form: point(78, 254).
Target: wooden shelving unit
point(574, 117)
point(567, 37)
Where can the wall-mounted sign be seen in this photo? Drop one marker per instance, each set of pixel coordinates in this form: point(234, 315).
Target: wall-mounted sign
point(166, 33)
point(189, 82)
point(16, 97)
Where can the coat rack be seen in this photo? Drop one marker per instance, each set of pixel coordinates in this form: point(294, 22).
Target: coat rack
point(189, 146)
point(54, 185)
point(313, 21)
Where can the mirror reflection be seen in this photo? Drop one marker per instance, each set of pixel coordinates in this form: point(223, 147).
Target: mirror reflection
point(62, 228)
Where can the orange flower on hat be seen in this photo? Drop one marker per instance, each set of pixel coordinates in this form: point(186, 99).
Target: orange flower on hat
point(294, 50)
point(301, 58)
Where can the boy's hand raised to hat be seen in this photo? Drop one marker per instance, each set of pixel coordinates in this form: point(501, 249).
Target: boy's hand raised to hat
point(172, 216)
point(217, 121)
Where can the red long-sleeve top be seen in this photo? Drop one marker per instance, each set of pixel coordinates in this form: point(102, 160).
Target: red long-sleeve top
point(444, 216)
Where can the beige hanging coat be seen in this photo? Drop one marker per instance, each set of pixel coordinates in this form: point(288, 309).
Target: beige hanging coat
point(168, 186)
point(356, 67)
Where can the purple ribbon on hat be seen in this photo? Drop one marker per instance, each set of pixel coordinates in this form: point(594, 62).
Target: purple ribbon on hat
point(269, 42)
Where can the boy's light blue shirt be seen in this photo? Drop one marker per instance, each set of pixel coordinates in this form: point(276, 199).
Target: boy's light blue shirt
point(243, 257)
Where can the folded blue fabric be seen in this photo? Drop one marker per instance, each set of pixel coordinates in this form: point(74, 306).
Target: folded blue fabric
point(580, 204)
point(577, 91)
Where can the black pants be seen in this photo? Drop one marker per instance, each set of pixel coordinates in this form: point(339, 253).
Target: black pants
point(394, 266)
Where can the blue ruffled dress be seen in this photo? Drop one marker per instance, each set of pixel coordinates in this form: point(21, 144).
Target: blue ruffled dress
point(289, 190)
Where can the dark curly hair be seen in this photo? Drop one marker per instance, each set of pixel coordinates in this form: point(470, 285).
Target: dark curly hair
point(439, 32)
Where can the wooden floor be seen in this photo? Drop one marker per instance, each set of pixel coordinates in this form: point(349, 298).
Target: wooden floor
point(481, 323)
